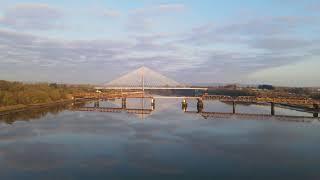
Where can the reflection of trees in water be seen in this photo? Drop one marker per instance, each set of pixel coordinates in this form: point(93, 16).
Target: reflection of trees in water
point(78, 105)
point(33, 113)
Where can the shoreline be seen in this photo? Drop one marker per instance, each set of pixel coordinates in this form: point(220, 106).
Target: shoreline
point(21, 107)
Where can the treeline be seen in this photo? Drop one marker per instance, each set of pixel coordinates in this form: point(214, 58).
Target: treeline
point(15, 93)
point(315, 96)
point(305, 91)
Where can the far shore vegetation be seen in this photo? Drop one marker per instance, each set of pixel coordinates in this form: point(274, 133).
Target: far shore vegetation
point(15, 95)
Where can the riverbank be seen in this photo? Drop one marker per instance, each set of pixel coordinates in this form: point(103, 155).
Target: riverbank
point(20, 107)
point(12, 108)
point(298, 108)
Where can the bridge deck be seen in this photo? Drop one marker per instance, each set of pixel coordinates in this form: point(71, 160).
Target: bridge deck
point(175, 97)
point(153, 88)
point(254, 99)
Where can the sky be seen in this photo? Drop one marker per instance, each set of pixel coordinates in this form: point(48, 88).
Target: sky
point(191, 41)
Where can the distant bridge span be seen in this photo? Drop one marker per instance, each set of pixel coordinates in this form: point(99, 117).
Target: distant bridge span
point(146, 79)
point(153, 88)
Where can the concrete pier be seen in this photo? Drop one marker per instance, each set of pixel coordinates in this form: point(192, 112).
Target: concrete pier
point(316, 110)
point(124, 103)
point(272, 109)
point(184, 105)
point(153, 103)
point(199, 105)
point(233, 107)
point(96, 104)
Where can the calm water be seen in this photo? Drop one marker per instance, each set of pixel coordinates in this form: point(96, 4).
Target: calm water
point(58, 143)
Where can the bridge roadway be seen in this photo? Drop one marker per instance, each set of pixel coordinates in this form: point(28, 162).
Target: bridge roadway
point(254, 116)
point(153, 88)
point(254, 99)
point(174, 97)
point(128, 95)
point(96, 95)
point(114, 110)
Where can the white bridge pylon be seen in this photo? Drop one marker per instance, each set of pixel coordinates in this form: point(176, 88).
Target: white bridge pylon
point(145, 78)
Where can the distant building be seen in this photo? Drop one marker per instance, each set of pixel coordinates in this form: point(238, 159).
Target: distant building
point(266, 87)
point(232, 87)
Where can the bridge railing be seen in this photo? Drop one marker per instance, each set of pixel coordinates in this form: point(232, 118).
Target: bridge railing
point(254, 99)
point(96, 95)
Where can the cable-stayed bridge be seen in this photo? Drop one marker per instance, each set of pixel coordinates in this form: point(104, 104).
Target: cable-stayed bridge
point(145, 78)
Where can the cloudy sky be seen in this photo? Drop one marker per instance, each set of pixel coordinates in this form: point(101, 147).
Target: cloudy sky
point(205, 41)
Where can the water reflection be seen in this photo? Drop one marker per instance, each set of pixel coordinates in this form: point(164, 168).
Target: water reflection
point(253, 108)
point(144, 107)
point(170, 143)
point(36, 113)
point(141, 107)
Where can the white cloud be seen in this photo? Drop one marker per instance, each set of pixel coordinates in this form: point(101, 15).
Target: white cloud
point(281, 43)
point(32, 16)
point(144, 19)
point(39, 55)
point(210, 53)
point(160, 9)
point(112, 13)
point(304, 73)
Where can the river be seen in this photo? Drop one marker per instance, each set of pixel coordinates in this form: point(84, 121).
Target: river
point(65, 143)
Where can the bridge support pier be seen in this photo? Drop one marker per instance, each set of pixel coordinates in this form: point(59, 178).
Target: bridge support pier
point(97, 104)
point(153, 103)
point(233, 107)
point(124, 103)
point(272, 109)
point(199, 105)
point(316, 110)
point(184, 105)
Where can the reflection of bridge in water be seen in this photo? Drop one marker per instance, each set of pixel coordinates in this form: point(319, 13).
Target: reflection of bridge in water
point(224, 115)
point(199, 110)
point(98, 108)
point(116, 110)
point(200, 102)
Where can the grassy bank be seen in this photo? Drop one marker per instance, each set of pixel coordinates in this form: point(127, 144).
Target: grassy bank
point(18, 108)
point(11, 108)
point(17, 95)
